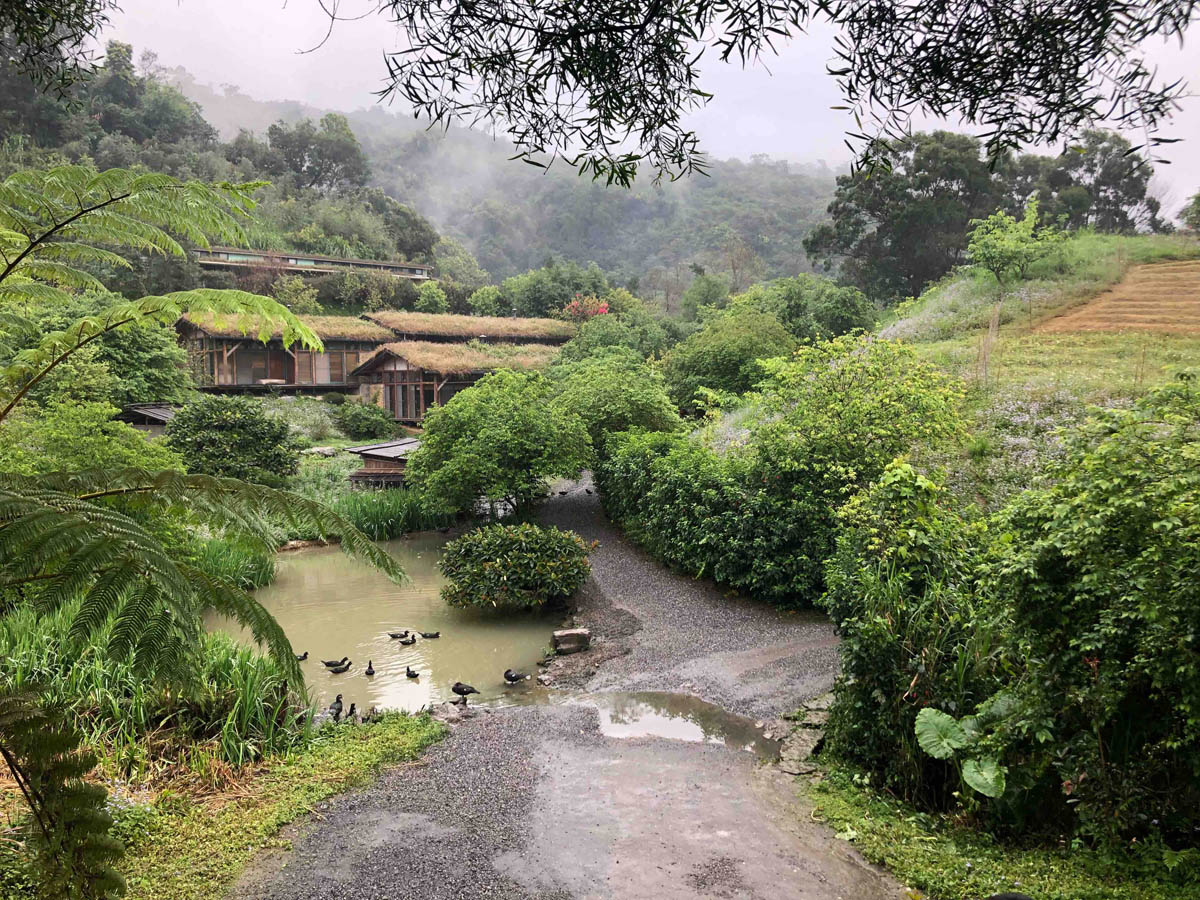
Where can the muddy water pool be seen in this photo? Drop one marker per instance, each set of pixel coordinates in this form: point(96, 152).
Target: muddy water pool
point(333, 606)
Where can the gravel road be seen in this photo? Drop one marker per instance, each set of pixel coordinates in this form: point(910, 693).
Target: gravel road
point(536, 802)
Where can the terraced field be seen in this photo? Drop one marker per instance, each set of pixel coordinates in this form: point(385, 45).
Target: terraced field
point(1161, 297)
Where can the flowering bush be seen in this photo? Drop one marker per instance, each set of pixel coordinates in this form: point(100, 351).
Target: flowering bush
point(582, 308)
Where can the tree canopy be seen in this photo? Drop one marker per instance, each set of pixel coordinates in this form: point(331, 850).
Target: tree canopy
point(608, 86)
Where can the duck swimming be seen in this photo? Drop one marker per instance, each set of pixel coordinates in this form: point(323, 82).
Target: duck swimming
point(370, 669)
point(334, 663)
point(430, 635)
point(514, 677)
point(301, 657)
point(409, 641)
point(411, 673)
point(398, 634)
point(338, 670)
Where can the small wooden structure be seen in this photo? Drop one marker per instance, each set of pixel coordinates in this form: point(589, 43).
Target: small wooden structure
point(446, 328)
point(225, 358)
point(407, 378)
point(383, 464)
point(234, 258)
point(151, 418)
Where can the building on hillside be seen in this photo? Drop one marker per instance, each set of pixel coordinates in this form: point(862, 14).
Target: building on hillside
point(407, 378)
point(235, 258)
point(445, 328)
point(383, 464)
point(225, 358)
point(151, 418)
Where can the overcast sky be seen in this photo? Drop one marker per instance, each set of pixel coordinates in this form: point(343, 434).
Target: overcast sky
point(784, 112)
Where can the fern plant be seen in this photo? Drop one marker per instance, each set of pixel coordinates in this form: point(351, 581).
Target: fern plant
point(81, 538)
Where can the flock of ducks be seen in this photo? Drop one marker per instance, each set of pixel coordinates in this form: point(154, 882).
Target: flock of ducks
point(407, 638)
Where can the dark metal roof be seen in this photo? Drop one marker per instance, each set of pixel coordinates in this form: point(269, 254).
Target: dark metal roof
point(159, 412)
point(388, 449)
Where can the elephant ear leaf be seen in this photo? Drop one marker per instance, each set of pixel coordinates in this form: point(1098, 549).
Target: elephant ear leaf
point(939, 734)
point(985, 775)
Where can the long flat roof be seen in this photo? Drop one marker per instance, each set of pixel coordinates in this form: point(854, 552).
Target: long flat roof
point(497, 328)
point(254, 251)
point(462, 359)
point(388, 449)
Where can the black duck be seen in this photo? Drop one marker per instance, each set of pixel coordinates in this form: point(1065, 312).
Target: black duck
point(334, 663)
point(338, 670)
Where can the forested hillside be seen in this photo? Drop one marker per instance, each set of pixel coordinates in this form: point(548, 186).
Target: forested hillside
point(745, 218)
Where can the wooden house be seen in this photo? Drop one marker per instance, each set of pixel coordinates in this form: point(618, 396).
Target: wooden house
point(223, 358)
point(409, 377)
point(383, 464)
point(441, 328)
point(235, 258)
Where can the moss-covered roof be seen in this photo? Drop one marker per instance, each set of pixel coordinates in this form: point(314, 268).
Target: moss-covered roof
point(463, 359)
point(327, 328)
point(488, 327)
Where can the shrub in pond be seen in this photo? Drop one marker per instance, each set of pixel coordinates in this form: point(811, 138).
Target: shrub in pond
point(514, 566)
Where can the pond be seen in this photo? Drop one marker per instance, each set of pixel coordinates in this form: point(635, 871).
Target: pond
point(333, 606)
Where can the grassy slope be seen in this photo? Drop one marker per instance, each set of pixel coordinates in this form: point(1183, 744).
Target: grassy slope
point(948, 323)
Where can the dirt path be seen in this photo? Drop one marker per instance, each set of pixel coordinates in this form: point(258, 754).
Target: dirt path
point(538, 802)
point(1159, 297)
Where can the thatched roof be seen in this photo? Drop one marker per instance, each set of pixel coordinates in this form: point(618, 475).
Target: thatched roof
point(327, 328)
point(463, 359)
point(487, 327)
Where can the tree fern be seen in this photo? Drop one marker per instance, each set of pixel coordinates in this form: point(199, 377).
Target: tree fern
point(79, 539)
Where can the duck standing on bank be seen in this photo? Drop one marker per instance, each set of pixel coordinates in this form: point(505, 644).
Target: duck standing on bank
point(512, 677)
point(335, 708)
point(463, 690)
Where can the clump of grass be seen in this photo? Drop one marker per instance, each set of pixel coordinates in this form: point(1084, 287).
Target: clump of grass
point(246, 567)
point(309, 419)
point(945, 860)
point(389, 513)
point(230, 704)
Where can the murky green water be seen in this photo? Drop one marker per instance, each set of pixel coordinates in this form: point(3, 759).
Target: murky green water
point(332, 607)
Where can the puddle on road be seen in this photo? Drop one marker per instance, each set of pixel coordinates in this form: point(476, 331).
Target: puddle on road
point(333, 606)
point(679, 717)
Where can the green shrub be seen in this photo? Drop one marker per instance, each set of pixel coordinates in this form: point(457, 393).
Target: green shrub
point(1101, 575)
point(233, 437)
point(431, 298)
point(723, 356)
point(613, 391)
point(514, 566)
point(914, 633)
point(364, 421)
point(498, 440)
point(810, 306)
point(759, 515)
point(333, 398)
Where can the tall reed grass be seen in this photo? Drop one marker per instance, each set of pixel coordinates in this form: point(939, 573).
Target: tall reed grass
point(231, 705)
point(246, 567)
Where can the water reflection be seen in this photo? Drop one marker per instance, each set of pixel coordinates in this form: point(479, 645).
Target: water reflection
point(333, 606)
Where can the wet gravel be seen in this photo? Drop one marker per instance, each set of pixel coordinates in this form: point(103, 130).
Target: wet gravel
point(686, 635)
point(427, 830)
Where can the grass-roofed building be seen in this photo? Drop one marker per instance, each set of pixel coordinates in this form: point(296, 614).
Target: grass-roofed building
point(446, 328)
point(409, 377)
point(225, 357)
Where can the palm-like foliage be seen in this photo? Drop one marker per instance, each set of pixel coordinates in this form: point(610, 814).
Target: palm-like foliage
point(82, 538)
